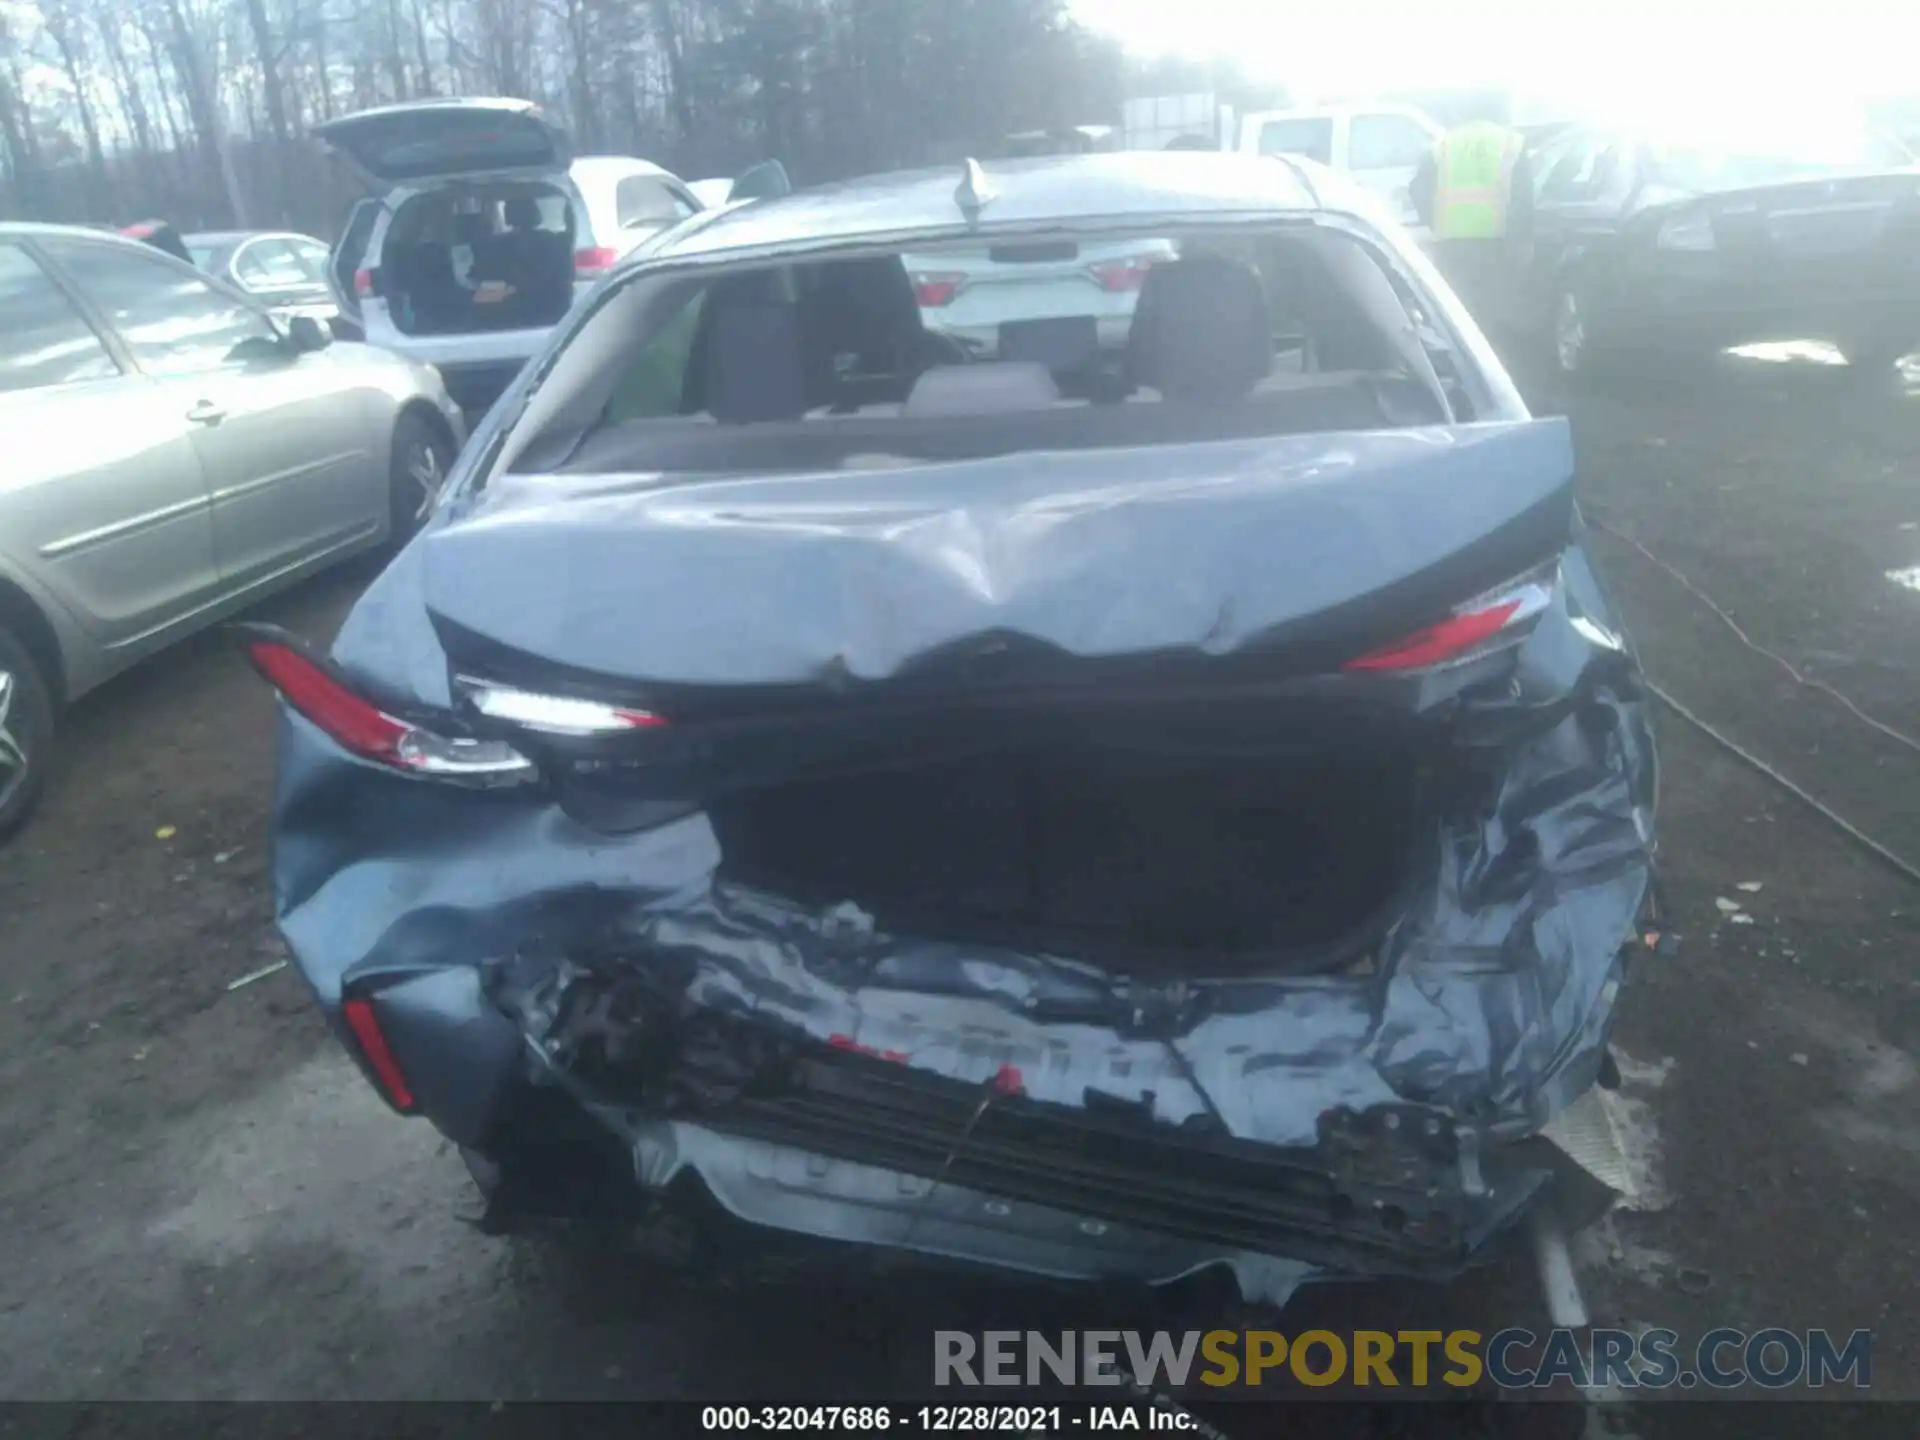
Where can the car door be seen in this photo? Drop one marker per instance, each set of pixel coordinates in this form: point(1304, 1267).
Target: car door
point(287, 440)
point(102, 495)
point(1384, 150)
point(1581, 182)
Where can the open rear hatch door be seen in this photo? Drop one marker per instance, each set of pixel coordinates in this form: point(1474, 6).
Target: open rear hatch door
point(440, 139)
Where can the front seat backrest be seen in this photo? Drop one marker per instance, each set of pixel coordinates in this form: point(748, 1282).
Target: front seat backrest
point(753, 365)
point(861, 321)
point(1201, 331)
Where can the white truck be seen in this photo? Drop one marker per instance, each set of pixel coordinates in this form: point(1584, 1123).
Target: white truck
point(1380, 145)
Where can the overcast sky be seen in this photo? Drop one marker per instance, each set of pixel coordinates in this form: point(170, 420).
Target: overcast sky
point(1587, 50)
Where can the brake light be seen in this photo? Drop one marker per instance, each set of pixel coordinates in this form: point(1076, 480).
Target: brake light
point(1473, 629)
point(365, 1026)
point(362, 728)
point(936, 290)
point(363, 283)
point(593, 261)
point(1122, 276)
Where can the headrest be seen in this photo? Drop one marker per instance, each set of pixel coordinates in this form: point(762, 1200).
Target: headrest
point(1201, 330)
point(1002, 388)
point(753, 365)
point(860, 318)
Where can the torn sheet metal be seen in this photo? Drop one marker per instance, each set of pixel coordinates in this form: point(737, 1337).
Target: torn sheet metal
point(1490, 1000)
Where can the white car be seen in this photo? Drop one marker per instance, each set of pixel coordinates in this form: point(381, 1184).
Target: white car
point(973, 294)
point(487, 231)
point(1381, 146)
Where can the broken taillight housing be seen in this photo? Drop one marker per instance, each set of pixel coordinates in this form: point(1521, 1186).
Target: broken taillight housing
point(360, 727)
point(365, 1027)
point(1494, 621)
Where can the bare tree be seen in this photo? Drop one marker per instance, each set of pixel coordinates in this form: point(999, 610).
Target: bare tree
point(203, 106)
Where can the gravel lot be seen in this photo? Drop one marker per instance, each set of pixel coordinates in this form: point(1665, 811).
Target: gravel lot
point(204, 1200)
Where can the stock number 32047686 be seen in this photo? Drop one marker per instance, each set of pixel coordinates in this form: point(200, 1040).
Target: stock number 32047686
point(1016, 1419)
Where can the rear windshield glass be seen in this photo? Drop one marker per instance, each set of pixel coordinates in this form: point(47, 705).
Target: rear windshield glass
point(953, 353)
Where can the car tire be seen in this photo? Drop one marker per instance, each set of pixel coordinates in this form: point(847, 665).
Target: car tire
point(422, 455)
point(1570, 338)
point(26, 733)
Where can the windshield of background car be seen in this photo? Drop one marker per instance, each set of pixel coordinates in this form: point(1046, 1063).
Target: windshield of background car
point(1310, 137)
point(960, 351)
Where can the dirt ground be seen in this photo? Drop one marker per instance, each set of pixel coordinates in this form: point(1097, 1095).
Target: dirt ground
point(203, 1200)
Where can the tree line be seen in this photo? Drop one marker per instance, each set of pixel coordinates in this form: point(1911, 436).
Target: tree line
point(200, 111)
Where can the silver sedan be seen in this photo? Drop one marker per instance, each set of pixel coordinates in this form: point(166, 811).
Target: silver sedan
point(174, 452)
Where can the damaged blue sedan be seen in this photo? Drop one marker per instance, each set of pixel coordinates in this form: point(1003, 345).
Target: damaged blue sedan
point(1108, 806)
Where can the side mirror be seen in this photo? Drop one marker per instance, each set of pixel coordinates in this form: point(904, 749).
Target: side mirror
point(765, 181)
point(307, 334)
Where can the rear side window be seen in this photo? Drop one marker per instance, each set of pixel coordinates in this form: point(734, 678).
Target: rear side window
point(270, 264)
point(1308, 137)
point(1386, 142)
point(43, 340)
point(173, 321)
point(641, 200)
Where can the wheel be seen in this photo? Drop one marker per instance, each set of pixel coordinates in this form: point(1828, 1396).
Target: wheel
point(26, 733)
point(421, 457)
point(1573, 349)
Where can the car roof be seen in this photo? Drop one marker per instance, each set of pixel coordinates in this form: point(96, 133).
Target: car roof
point(1023, 194)
point(36, 227)
point(32, 229)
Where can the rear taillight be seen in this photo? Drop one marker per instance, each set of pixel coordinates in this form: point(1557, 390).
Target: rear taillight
point(1122, 276)
point(363, 283)
point(365, 1025)
point(1486, 623)
point(593, 261)
point(362, 728)
point(936, 290)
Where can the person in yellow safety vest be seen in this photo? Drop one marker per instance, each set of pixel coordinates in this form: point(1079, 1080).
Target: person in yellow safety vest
point(1474, 193)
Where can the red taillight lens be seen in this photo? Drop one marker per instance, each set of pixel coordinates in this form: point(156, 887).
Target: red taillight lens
point(1121, 276)
point(935, 291)
point(593, 261)
point(363, 283)
point(365, 1026)
point(362, 728)
point(1473, 626)
point(352, 723)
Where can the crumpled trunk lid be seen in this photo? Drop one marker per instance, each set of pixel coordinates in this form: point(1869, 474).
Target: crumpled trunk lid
point(1012, 571)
